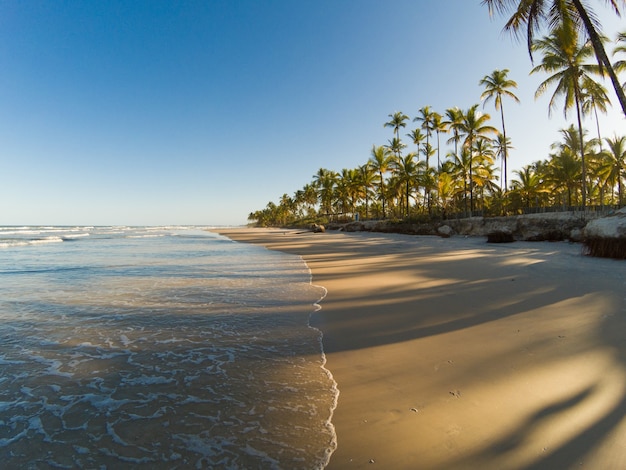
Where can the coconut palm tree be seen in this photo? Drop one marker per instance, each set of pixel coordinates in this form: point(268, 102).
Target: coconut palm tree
point(324, 181)
point(439, 126)
point(563, 173)
point(594, 99)
point(426, 117)
point(533, 14)
point(528, 184)
point(460, 170)
point(348, 189)
point(482, 166)
point(499, 145)
point(474, 127)
point(395, 146)
point(453, 122)
point(446, 190)
point(367, 178)
point(428, 176)
point(406, 170)
point(381, 163)
point(564, 57)
point(396, 122)
point(417, 137)
point(496, 86)
point(614, 168)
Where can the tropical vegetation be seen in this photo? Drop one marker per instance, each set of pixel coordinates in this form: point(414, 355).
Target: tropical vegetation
point(580, 170)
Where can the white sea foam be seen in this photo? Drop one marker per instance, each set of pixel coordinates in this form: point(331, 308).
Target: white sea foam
point(17, 242)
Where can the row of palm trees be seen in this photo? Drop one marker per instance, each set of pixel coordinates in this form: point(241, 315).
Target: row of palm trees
point(404, 187)
point(578, 171)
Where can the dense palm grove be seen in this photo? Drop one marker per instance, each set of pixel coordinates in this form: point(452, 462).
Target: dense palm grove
point(411, 177)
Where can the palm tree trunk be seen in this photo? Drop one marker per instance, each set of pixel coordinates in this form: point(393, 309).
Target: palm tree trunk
point(601, 53)
point(505, 150)
point(582, 146)
point(471, 186)
point(382, 192)
point(595, 111)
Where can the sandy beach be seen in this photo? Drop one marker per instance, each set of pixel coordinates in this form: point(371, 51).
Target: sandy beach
point(454, 353)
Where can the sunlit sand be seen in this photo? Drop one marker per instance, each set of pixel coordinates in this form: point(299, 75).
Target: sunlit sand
point(458, 354)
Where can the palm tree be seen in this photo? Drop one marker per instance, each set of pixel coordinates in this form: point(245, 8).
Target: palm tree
point(454, 121)
point(439, 126)
point(565, 58)
point(534, 13)
point(426, 116)
point(406, 170)
point(474, 128)
point(428, 176)
point(497, 85)
point(615, 163)
point(594, 98)
point(348, 189)
point(368, 182)
point(417, 138)
point(446, 190)
point(563, 172)
point(461, 171)
point(325, 181)
point(528, 185)
point(397, 121)
point(482, 166)
point(395, 146)
point(381, 161)
point(499, 146)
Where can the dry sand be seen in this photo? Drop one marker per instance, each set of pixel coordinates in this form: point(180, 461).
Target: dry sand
point(454, 353)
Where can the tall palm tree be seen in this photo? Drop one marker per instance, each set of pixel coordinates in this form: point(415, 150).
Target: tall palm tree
point(474, 127)
point(594, 99)
point(426, 116)
point(533, 14)
point(368, 182)
point(381, 162)
point(396, 122)
point(564, 57)
point(439, 126)
point(496, 86)
point(417, 137)
point(395, 146)
point(499, 146)
point(615, 163)
point(406, 169)
point(454, 121)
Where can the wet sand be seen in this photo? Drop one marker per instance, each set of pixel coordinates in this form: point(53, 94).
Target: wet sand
point(455, 353)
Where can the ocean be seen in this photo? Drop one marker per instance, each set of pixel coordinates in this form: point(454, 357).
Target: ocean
point(158, 347)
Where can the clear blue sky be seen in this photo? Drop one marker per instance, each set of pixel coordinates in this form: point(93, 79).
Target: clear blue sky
point(200, 112)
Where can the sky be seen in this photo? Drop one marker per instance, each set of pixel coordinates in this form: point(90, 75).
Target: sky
point(201, 112)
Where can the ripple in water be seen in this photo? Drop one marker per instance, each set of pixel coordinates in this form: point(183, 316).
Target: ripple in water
point(182, 350)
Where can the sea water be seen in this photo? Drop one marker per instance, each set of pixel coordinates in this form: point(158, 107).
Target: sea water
point(158, 347)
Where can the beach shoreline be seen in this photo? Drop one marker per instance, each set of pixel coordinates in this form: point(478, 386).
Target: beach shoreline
point(452, 353)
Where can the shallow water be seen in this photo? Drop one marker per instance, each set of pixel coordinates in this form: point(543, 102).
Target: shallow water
point(158, 348)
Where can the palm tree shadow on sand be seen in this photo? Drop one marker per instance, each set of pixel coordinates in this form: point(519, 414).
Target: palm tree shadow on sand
point(597, 443)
